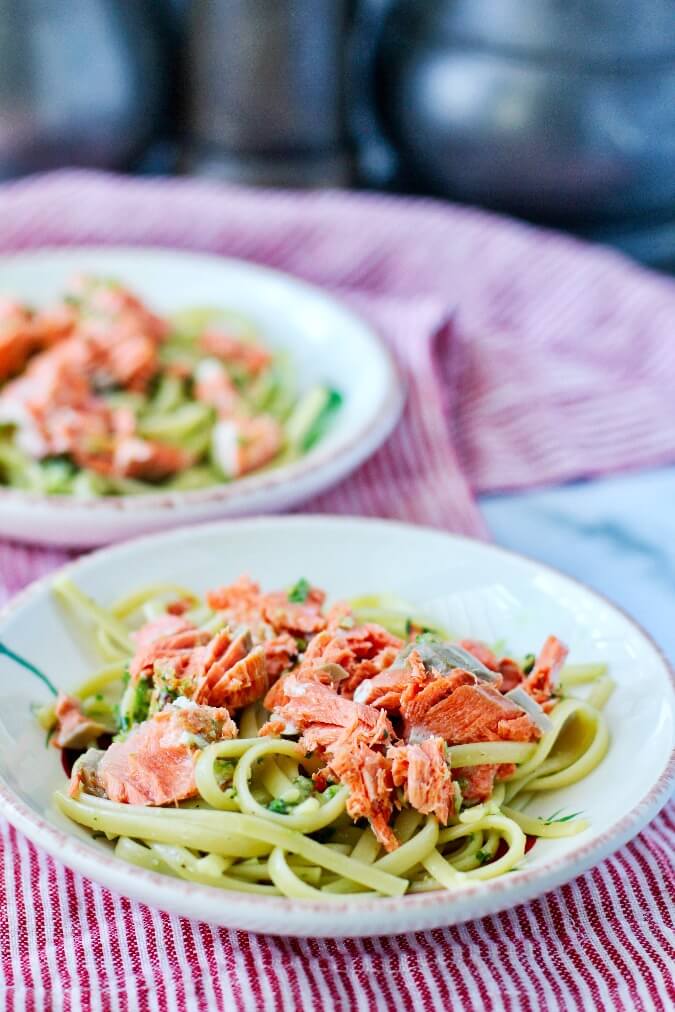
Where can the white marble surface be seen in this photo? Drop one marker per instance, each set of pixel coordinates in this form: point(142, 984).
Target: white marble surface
point(617, 535)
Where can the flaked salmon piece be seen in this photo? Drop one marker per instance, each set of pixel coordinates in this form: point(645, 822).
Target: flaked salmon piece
point(74, 729)
point(510, 669)
point(351, 737)
point(242, 444)
point(339, 616)
point(280, 654)
point(424, 773)
point(325, 674)
point(367, 774)
point(131, 361)
point(222, 651)
point(233, 674)
point(180, 606)
point(213, 386)
point(273, 620)
point(168, 624)
point(387, 689)
point(17, 340)
point(243, 683)
point(56, 412)
point(322, 737)
point(374, 650)
point(155, 764)
point(550, 660)
point(54, 378)
point(276, 696)
point(144, 459)
point(103, 301)
point(316, 711)
point(476, 782)
point(512, 674)
point(464, 713)
point(482, 652)
point(302, 618)
point(274, 727)
point(363, 651)
point(252, 358)
point(54, 324)
point(175, 652)
point(240, 599)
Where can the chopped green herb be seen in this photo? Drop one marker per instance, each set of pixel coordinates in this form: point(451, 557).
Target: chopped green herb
point(278, 806)
point(301, 645)
point(483, 856)
point(528, 663)
point(556, 817)
point(298, 594)
point(409, 626)
point(330, 792)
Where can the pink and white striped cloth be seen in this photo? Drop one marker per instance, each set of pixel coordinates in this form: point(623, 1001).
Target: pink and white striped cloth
point(531, 358)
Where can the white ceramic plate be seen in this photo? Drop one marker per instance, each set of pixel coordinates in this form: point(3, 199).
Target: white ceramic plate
point(327, 343)
point(472, 588)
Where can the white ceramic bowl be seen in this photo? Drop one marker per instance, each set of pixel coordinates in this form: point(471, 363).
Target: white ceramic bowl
point(326, 341)
point(472, 588)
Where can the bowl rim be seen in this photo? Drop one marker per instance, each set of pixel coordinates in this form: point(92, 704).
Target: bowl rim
point(503, 893)
point(371, 433)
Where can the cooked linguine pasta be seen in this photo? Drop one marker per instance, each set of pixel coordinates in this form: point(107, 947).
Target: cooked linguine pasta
point(264, 743)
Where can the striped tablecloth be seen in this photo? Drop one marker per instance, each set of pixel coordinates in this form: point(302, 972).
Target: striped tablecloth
point(531, 359)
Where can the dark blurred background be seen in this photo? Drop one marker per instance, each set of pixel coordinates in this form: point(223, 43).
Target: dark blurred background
point(558, 111)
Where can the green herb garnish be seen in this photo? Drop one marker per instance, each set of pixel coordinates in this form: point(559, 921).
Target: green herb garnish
point(483, 857)
point(529, 661)
point(556, 817)
point(134, 706)
point(299, 593)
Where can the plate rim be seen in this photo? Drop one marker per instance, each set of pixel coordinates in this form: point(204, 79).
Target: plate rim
point(503, 893)
point(372, 433)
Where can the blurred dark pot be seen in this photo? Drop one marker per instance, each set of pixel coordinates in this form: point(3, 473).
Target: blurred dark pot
point(81, 83)
point(555, 109)
point(266, 90)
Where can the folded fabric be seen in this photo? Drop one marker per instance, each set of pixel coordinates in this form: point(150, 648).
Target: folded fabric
point(547, 328)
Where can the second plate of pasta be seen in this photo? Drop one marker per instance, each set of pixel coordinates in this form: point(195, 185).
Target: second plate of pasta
point(144, 388)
